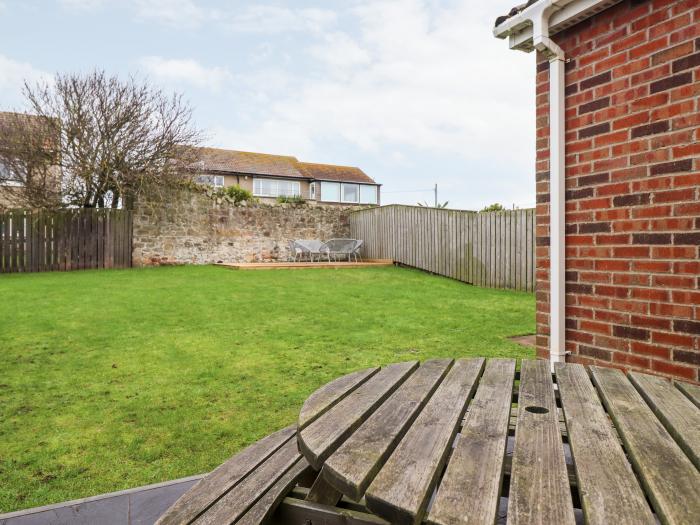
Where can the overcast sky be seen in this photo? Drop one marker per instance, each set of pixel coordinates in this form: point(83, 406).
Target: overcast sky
point(413, 92)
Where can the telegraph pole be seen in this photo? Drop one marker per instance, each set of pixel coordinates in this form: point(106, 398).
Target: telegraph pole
point(436, 195)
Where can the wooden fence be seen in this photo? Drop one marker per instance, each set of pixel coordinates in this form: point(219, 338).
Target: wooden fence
point(495, 249)
point(39, 241)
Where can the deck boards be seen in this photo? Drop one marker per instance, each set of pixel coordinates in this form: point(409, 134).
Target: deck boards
point(367, 263)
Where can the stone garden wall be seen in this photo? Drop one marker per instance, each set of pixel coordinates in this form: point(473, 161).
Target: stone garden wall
point(195, 228)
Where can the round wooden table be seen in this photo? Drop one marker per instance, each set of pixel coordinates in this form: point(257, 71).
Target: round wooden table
point(447, 441)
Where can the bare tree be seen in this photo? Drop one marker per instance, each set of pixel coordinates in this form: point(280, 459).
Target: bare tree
point(29, 172)
point(115, 140)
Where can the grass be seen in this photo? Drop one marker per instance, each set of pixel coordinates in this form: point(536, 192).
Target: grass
point(116, 379)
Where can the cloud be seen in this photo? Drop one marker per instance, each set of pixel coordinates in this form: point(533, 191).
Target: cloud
point(273, 19)
point(186, 71)
point(174, 13)
point(432, 80)
point(13, 74)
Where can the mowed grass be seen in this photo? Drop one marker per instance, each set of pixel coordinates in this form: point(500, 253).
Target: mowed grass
point(114, 379)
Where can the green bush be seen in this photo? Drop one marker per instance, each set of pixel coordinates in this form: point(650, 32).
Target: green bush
point(494, 207)
point(238, 194)
point(292, 199)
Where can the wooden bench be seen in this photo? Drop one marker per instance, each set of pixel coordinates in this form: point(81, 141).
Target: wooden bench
point(245, 489)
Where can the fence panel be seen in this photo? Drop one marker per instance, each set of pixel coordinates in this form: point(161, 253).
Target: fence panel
point(39, 241)
point(494, 249)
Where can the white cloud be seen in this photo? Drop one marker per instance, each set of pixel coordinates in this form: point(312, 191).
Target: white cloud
point(187, 71)
point(433, 79)
point(274, 19)
point(13, 74)
point(174, 13)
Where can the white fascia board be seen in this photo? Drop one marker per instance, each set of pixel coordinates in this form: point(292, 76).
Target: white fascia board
point(518, 28)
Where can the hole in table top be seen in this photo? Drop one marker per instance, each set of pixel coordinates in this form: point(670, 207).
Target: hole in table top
point(537, 410)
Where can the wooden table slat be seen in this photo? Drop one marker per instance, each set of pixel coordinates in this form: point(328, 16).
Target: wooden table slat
point(608, 488)
point(331, 393)
point(235, 503)
point(353, 466)
point(297, 511)
point(401, 490)
point(539, 486)
point(691, 391)
point(470, 489)
point(265, 506)
point(670, 479)
point(324, 435)
point(223, 478)
point(677, 413)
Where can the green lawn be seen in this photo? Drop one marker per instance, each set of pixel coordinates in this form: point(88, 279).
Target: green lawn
point(115, 379)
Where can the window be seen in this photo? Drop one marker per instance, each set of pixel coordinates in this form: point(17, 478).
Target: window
point(330, 191)
point(212, 180)
point(312, 191)
point(368, 194)
point(351, 193)
point(276, 188)
point(7, 178)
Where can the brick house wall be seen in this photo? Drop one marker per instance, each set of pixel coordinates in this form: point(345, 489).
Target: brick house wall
point(633, 189)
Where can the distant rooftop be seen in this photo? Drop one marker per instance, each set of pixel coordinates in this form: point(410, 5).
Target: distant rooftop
point(224, 160)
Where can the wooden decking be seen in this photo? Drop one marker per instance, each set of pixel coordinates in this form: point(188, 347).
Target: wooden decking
point(306, 265)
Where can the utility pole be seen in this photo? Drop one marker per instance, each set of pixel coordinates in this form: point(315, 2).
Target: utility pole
point(436, 195)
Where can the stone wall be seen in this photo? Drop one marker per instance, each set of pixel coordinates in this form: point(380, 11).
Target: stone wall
point(195, 228)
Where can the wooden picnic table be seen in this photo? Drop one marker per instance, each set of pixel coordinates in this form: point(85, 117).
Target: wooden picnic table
point(473, 441)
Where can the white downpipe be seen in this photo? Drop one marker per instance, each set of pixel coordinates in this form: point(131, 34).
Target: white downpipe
point(557, 202)
point(557, 205)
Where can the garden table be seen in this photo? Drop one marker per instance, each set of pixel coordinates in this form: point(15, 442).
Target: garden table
point(470, 441)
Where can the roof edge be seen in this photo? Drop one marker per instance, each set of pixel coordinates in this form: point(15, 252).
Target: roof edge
point(518, 28)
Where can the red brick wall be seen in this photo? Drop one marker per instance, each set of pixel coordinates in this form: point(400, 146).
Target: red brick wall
point(633, 189)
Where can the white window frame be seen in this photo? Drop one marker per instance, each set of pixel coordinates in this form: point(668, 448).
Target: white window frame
point(342, 192)
point(330, 183)
point(376, 193)
point(294, 185)
point(216, 181)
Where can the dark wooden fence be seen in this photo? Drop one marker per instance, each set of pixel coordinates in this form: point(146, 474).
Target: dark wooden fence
point(41, 241)
point(495, 250)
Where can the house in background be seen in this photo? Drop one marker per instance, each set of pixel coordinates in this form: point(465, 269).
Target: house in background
point(618, 180)
point(271, 176)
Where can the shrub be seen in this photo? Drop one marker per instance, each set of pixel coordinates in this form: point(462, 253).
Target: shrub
point(291, 199)
point(494, 207)
point(238, 194)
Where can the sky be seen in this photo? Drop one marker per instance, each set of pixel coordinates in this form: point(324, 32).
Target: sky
point(414, 92)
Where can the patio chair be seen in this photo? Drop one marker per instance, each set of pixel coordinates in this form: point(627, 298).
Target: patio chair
point(357, 248)
point(295, 251)
point(310, 247)
point(335, 247)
